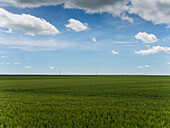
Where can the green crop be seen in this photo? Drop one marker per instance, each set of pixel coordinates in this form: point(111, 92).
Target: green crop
point(85, 101)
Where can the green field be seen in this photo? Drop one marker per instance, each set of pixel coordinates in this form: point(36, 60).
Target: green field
point(85, 101)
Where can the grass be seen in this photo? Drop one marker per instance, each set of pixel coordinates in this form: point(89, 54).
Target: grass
point(85, 101)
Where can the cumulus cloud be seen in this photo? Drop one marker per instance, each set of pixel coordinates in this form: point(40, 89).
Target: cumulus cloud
point(51, 67)
point(4, 57)
point(32, 3)
point(147, 66)
point(115, 52)
point(154, 50)
point(76, 25)
point(9, 31)
point(94, 39)
point(146, 38)
point(156, 11)
point(28, 67)
point(168, 62)
point(140, 67)
point(114, 7)
point(27, 23)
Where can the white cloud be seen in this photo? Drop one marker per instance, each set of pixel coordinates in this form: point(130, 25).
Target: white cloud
point(30, 34)
point(154, 50)
point(114, 7)
point(94, 39)
point(16, 63)
point(32, 3)
point(7, 31)
point(123, 42)
point(147, 66)
point(28, 67)
point(140, 67)
point(168, 62)
point(51, 67)
point(115, 52)
point(156, 11)
point(76, 25)
point(34, 45)
point(27, 23)
point(146, 38)
point(4, 57)
point(7, 63)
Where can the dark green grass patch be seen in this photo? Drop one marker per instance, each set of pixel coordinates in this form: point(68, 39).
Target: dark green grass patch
point(85, 101)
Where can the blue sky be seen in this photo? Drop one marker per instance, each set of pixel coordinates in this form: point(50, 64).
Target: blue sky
point(82, 38)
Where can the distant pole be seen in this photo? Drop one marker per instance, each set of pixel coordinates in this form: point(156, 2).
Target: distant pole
point(60, 72)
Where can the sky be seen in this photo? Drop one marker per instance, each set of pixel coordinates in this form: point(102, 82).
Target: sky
point(85, 37)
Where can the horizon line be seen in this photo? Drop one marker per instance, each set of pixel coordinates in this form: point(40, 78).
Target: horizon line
point(83, 74)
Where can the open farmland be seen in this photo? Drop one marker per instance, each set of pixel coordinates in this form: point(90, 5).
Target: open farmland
point(85, 101)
